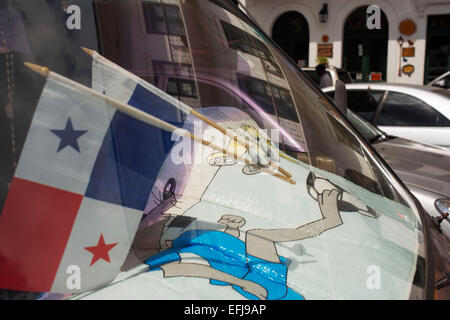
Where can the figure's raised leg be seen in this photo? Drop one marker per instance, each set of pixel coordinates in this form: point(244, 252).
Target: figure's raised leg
point(180, 269)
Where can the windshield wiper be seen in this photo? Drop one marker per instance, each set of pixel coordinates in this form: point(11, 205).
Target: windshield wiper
point(377, 138)
point(381, 138)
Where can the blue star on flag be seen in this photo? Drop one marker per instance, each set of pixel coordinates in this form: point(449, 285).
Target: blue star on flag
point(69, 136)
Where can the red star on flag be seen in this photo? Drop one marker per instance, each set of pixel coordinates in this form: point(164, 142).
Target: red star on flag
point(100, 251)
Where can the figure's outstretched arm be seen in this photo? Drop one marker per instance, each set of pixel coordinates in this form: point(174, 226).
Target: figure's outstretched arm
point(261, 242)
point(180, 269)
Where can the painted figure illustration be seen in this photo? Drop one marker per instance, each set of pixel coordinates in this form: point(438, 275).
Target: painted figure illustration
point(251, 264)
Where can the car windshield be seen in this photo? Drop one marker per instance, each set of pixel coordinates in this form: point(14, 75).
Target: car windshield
point(278, 198)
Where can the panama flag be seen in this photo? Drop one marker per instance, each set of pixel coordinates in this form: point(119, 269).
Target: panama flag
point(80, 188)
point(120, 84)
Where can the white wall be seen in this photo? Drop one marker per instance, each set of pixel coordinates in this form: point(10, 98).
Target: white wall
point(267, 11)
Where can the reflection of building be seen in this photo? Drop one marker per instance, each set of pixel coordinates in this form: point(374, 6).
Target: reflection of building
point(366, 53)
point(184, 61)
point(262, 79)
point(156, 33)
point(31, 31)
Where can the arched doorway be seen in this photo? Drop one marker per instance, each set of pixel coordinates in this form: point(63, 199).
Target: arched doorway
point(365, 50)
point(437, 58)
point(291, 33)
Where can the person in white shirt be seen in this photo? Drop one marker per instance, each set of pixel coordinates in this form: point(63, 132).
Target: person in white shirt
point(325, 78)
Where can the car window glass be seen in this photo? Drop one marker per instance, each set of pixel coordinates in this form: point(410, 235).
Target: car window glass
point(402, 109)
point(211, 57)
point(364, 102)
point(312, 75)
point(368, 130)
point(344, 77)
point(254, 77)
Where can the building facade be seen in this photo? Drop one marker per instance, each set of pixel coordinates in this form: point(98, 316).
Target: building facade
point(412, 46)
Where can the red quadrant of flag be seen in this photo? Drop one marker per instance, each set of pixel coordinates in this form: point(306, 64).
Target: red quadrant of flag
point(35, 226)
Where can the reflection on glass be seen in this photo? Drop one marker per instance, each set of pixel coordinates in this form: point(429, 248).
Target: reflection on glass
point(405, 110)
point(212, 58)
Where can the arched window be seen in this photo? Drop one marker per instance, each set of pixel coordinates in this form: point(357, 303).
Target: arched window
point(438, 50)
point(365, 50)
point(291, 33)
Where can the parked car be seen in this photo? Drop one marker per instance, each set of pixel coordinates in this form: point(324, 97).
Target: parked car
point(335, 74)
point(98, 203)
point(425, 169)
point(443, 81)
point(418, 113)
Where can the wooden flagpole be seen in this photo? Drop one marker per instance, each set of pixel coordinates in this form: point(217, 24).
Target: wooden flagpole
point(147, 118)
point(214, 125)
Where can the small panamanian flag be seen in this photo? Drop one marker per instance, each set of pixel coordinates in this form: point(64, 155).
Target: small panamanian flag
point(81, 186)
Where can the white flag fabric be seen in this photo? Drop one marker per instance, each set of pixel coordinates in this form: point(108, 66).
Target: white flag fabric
point(69, 219)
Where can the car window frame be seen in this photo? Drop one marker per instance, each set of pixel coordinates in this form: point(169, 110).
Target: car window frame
point(380, 103)
point(379, 107)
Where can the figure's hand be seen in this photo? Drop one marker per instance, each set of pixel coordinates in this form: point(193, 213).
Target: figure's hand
point(221, 160)
point(328, 202)
point(232, 221)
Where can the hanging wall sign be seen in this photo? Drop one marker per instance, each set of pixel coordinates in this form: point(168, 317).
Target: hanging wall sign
point(325, 50)
point(408, 69)
point(375, 76)
point(409, 52)
point(407, 27)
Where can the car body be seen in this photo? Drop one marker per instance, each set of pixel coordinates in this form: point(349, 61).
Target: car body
point(418, 113)
point(423, 168)
point(335, 74)
point(443, 81)
point(120, 203)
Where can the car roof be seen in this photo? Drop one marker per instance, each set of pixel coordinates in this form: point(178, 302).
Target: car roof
point(392, 86)
point(327, 68)
point(438, 98)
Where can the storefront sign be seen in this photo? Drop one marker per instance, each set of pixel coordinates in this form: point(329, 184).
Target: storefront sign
point(408, 69)
point(409, 52)
point(407, 27)
point(325, 50)
point(375, 76)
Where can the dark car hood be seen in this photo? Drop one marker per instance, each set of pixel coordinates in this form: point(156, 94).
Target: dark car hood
point(418, 164)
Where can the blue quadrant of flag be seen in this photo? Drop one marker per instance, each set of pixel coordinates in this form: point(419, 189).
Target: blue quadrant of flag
point(133, 152)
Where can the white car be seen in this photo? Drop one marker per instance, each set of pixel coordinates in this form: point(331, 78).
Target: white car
point(420, 113)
